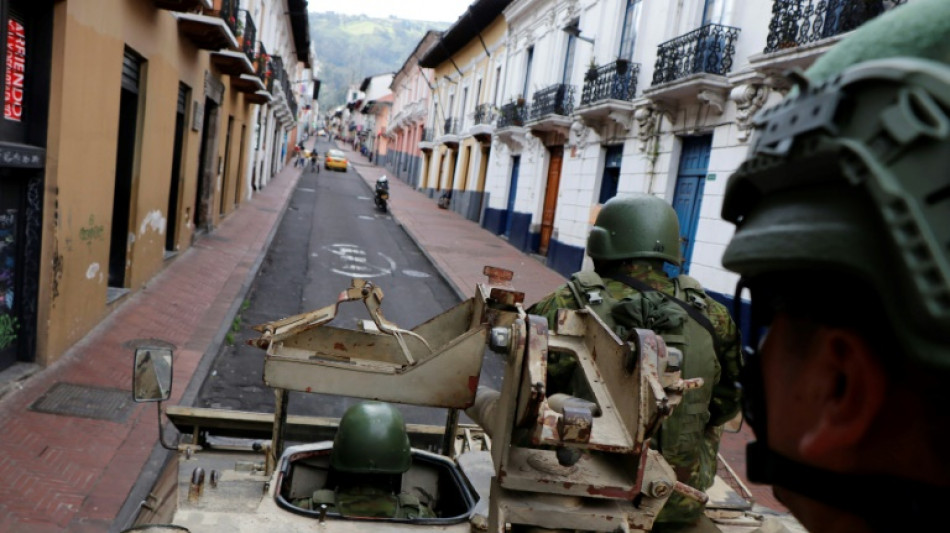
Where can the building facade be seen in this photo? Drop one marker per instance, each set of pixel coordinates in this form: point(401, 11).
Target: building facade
point(411, 101)
point(131, 127)
point(467, 75)
point(612, 97)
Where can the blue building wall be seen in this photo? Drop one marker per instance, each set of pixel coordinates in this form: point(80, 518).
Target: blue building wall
point(494, 220)
point(564, 258)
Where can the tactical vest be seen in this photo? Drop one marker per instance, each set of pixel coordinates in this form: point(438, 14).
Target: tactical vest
point(378, 505)
point(682, 322)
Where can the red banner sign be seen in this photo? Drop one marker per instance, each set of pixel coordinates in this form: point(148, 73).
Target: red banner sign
point(16, 71)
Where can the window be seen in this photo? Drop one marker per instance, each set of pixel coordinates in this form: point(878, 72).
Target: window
point(527, 72)
point(497, 85)
point(717, 12)
point(569, 59)
point(628, 35)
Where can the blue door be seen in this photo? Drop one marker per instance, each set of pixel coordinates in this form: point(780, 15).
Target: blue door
point(512, 193)
point(688, 197)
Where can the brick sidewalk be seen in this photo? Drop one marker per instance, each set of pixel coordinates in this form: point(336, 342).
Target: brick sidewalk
point(69, 473)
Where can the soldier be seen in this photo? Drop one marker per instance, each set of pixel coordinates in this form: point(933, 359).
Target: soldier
point(632, 239)
point(370, 454)
point(842, 214)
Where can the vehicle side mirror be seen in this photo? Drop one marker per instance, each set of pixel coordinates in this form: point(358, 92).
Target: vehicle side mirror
point(152, 374)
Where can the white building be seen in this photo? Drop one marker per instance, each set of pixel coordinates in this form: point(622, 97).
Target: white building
point(610, 97)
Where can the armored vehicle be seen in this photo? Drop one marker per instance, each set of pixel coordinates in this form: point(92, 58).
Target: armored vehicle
point(532, 461)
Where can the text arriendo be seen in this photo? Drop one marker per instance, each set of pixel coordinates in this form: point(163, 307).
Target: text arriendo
point(15, 73)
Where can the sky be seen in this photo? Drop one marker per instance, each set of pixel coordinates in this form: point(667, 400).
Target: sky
point(427, 10)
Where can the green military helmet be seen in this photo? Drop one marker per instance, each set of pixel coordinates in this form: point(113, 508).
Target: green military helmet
point(850, 175)
point(371, 439)
point(639, 226)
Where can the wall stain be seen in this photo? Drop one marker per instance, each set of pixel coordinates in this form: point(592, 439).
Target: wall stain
point(91, 232)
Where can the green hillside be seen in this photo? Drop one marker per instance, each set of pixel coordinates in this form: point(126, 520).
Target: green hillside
point(350, 48)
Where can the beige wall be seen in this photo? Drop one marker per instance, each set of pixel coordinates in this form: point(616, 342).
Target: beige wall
point(89, 39)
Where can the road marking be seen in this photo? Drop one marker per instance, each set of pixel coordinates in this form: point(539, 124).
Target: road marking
point(305, 189)
point(352, 261)
point(363, 198)
point(415, 274)
point(367, 217)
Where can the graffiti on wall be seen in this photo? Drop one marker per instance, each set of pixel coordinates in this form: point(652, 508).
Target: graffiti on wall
point(8, 245)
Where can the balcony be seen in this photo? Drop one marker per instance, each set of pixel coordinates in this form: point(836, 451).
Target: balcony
point(214, 30)
point(253, 84)
point(608, 93)
point(800, 31)
point(427, 143)
point(800, 22)
point(694, 65)
point(509, 126)
point(239, 63)
point(708, 50)
point(450, 133)
point(484, 117)
point(183, 6)
point(512, 114)
point(551, 109)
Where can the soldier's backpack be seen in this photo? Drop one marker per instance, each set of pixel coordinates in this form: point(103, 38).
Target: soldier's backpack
point(682, 323)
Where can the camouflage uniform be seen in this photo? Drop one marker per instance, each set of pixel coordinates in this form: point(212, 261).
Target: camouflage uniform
point(367, 502)
point(695, 469)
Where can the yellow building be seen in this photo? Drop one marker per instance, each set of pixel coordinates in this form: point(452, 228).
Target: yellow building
point(141, 118)
point(467, 68)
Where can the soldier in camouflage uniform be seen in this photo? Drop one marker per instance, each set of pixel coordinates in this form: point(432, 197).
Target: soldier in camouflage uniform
point(842, 214)
point(370, 454)
point(631, 240)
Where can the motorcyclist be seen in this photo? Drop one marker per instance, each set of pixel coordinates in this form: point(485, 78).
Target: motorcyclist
point(370, 454)
point(382, 192)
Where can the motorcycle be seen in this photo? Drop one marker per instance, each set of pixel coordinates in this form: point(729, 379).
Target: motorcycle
point(382, 193)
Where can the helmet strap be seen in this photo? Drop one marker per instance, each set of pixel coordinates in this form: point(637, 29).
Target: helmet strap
point(886, 503)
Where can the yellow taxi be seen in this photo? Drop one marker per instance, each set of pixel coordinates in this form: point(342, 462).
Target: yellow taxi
point(335, 160)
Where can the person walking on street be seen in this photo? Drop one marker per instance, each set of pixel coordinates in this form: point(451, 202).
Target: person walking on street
point(842, 243)
point(314, 163)
point(633, 240)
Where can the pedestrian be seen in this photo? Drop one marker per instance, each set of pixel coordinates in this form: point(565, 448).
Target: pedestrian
point(298, 155)
point(842, 242)
point(369, 456)
point(634, 243)
point(314, 165)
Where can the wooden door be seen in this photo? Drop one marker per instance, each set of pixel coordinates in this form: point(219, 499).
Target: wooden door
point(550, 198)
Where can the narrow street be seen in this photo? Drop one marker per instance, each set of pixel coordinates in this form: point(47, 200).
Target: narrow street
point(331, 233)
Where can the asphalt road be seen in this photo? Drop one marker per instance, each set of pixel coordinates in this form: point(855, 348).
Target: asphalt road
point(331, 233)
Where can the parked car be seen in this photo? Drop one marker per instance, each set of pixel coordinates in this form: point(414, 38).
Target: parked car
point(335, 160)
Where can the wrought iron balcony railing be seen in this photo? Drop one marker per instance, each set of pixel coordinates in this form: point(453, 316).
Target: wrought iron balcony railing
point(229, 13)
point(613, 81)
point(484, 114)
point(451, 126)
point(709, 49)
point(798, 22)
point(512, 114)
point(277, 70)
point(554, 100)
point(289, 94)
point(262, 66)
point(248, 36)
